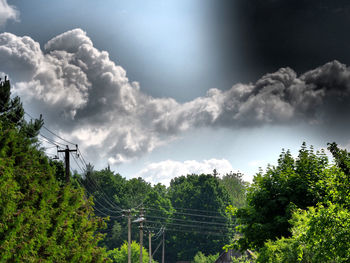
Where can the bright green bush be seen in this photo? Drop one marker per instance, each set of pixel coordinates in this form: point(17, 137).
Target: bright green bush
point(120, 255)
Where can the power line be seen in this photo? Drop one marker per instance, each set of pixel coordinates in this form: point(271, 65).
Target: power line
point(76, 162)
point(192, 231)
point(191, 226)
point(102, 206)
point(99, 189)
point(103, 196)
point(51, 131)
point(51, 140)
point(184, 220)
point(189, 214)
point(95, 200)
point(190, 209)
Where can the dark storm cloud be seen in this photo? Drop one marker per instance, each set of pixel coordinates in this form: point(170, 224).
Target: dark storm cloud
point(270, 34)
point(89, 99)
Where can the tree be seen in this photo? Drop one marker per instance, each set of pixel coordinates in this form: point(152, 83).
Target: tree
point(40, 219)
point(198, 193)
point(120, 255)
point(12, 113)
point(236, 188)
point(201, 258)
point(320, 233)
point(112, 194)
point(293, 183)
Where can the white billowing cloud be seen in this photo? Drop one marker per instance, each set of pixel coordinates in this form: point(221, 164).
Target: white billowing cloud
point(7, 12)
point(88, 99)
point(163, 172)
point(20, 56)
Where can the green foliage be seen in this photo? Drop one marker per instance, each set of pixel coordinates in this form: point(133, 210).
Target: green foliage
point(293, 183)
point(111, 192)
point(236, 188)
point(286, 250)
point(120, 255)
point(12, 112)
point(242, 259)
point(337, 179)
point(41, 220)
point(201, 192)
point(201, 258)
point(321, 231)
point(319, 235)
point(59, 170)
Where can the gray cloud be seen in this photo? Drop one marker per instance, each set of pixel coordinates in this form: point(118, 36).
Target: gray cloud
point(88, 98)
point(7, 12)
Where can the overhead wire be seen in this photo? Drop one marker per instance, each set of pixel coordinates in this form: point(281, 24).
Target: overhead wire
point(187, 220)
point(47, 129)
point(115, 208)
point(49, 140)
point(99, 189)
point(102, 207)
point(190, 214)
point(58, 145)
point(190, 209)
point(191, 226)
point(194, 231)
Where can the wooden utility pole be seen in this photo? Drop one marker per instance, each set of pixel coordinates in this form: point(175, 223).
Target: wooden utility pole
point(150, 246)
point(163, 248)
point(140, 220)
point(66, 160)
point(129, 236)
point(141, 236)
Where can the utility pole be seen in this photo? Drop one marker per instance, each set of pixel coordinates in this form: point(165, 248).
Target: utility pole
point(66, 160)
point(150, 246)
point(129, 234)
point(163, 248)
point(140, 220)
point(141, 235)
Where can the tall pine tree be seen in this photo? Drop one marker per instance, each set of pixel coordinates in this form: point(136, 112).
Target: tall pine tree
point(41, 219)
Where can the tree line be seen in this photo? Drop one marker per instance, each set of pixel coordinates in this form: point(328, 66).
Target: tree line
point(192, 210)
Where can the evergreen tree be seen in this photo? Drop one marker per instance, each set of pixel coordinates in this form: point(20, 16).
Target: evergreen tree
point(41, 219)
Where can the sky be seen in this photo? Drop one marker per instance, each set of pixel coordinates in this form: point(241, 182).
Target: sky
point(160, 89)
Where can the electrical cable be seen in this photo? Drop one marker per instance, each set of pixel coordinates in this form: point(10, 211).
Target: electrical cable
point(50, 130)
point(197, 215)
point(194, 231)
point(192, 226)
point(184, 220)
point(190, 209)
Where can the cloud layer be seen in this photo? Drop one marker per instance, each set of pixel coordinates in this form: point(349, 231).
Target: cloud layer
point(7, 12)
point(89, 99)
